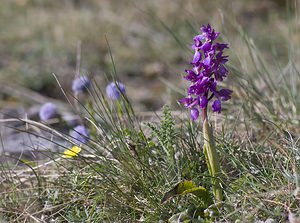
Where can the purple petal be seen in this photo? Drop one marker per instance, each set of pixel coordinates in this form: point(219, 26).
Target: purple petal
point(212, 85)
point(203, 102)
point(197, 39)
point(220, 46)
point(216, 106)
point(206, 46)
point(221, 73)
point(220, 59)
point(198, 68)
point(194, 114)
point(213, 35)
point(225, 94)
point(200, 87)
point(206, 29)
point(207, 61)
point(186, 101)
point(209, 32)
point(197, 57)
point(192, 76)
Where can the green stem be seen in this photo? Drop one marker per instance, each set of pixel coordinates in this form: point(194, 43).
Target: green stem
point(212, 158)
point(119, 109)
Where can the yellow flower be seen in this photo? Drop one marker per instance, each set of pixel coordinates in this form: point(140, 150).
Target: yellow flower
point(69, 153)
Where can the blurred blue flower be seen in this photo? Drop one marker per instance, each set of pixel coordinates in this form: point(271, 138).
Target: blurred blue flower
point(208, 70)
point(48, 111)
point(80, 84)
point(80, 134)
point(114, 90)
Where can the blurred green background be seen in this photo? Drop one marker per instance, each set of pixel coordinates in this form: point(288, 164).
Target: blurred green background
point(149, 42)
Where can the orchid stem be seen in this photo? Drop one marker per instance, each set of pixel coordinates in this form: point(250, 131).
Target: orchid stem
point(212, 158)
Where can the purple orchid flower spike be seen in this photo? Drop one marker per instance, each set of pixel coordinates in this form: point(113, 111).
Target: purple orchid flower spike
point(208, 70)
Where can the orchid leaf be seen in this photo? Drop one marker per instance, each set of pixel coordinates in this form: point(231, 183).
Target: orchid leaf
point(188, 187)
